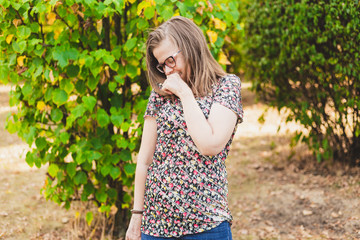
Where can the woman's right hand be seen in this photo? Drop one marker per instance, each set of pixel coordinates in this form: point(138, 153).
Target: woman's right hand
point(133, 232)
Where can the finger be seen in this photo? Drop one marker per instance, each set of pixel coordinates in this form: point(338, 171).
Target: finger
point(165, 88)
point(167, 91)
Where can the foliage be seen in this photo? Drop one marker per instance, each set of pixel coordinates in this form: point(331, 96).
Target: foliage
point(235, 42)
point(304, 56)
point(78, 71)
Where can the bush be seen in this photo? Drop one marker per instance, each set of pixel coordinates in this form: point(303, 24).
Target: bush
point(78, 71)
point(235, 45)
point(304, 55)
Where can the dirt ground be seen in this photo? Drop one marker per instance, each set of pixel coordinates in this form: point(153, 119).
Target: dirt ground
point(275, 192)
point(24, 213)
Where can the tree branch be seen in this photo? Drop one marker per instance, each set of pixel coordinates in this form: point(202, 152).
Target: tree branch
point(17, 12)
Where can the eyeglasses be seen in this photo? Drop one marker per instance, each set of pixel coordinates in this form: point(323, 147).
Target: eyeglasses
point(170, 62)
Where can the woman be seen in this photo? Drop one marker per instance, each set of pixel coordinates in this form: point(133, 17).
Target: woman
point(190, 120)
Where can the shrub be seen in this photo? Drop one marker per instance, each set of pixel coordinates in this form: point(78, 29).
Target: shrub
point(78, 71)
point(235, 46)
point(304, 55)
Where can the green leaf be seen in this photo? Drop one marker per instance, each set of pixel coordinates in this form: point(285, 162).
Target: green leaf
point(122, 143)
point(115, 172)
point(59, 97)
point(149, 12)
point(14, 99)
point(130, 168)
point(27, 89)
point(78, 111)
point(112, 193)
point(103, 118)
point(38, 72)
point(53, 2)
point(40, 143)
point(105, 170)
point(19, 47)
point(117, 120)
point(39, 50)
point(12, 127)
point(67, 85)
point(131, 70)
point(125, 155)
point(127, 198)
point(88, 61)
point(4, 72)
point(125, 126)
point(159, 2)
point(108, 59)
point(80, 158)
point(12, 59)
point(30, 134)
point(114, 158)
point(93, 155)
point(89, 218)
point(101, 196)
point(89, 102)
point(72, 70)
point(16, 5)
point(130, 44)
point(89, 188)
point(23, 32)
point(119, 79)
point(80, 87)
point(318, 157)
point(40, 7)
point(114, 66)
point(64, 137)
point(93, 82)
point(29, 159)
point(104, 208)
point(132, 146)
point(56, 115)
point(53, 169)
point(63, 55)
point(142, 24)
point(80, 178)
point(112, 86)
point(34, 42)
point(167, 12)
point(71, 169)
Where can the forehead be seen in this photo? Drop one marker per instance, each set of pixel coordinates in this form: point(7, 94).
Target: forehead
point(165, 49)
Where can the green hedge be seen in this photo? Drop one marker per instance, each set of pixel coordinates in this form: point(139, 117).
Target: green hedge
point(78, 71)
point(304, 55)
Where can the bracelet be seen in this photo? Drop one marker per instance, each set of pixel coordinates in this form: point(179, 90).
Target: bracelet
point(133, 211)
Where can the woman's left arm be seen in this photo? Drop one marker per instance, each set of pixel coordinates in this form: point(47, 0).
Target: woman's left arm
point(209, 135)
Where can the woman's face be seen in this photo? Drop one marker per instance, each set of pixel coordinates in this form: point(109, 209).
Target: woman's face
point(167, 49)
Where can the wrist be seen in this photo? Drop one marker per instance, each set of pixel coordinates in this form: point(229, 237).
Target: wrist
point(136, 217)
point(186, 93)
point(135, 211)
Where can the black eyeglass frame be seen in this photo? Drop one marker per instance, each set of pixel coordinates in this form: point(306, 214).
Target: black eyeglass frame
point(160, 67)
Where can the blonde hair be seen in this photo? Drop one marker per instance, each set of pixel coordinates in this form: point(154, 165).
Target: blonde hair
point(188, 37)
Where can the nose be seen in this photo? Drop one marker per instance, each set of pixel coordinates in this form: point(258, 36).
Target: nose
point(168, 70)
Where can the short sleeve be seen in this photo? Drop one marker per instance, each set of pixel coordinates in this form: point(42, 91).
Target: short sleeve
point(154, 103)
point(228, 94)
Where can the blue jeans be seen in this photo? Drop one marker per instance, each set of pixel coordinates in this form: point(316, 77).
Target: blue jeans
point(221, 232)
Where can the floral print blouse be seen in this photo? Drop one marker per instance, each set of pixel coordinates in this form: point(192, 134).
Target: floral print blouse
point(186, 192)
